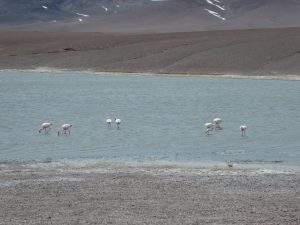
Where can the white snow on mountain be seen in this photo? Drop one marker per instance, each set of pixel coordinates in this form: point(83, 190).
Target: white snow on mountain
point(106, 9)
point(80, 14)
point(215, 14)
point(216, 5)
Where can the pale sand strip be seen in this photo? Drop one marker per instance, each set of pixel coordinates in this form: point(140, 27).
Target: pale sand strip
point(291, 77)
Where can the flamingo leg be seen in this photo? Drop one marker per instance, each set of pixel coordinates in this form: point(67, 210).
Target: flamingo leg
point(218, 127)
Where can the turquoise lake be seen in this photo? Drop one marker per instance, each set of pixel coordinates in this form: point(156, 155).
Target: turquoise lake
point(162, 119)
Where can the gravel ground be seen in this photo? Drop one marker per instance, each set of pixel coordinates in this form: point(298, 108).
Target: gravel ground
point(152, 195)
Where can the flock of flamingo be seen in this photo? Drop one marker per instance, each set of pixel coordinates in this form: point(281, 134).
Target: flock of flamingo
point(216, 125)
point(46, 127)
point(65, 128)
point(117, 121)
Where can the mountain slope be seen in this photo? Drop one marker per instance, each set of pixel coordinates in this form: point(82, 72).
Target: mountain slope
point(250, 52)
point(147, 15)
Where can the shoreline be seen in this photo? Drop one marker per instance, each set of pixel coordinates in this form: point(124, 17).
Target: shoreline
point(155, 167)
point(92, 72)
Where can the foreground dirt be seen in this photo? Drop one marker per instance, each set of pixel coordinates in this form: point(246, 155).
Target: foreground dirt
point(36, 196)
point(248, 52)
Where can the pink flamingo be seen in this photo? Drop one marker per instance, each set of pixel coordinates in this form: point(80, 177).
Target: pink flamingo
point(118, 122)
point(217, 122)
point(65, 129)
point(243, 129)
point(45, 127)
point(209, 127)
point(108, 122)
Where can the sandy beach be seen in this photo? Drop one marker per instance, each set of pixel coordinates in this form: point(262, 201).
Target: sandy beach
point(146, 194)
point(41, 70)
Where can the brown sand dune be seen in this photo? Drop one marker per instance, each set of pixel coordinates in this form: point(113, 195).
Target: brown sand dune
point(250, 52)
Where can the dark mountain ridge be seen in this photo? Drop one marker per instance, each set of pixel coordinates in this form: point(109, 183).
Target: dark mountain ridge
point(147, 15)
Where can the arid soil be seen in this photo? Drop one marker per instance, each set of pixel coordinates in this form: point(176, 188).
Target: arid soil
point(246, 52)
point(152, 195)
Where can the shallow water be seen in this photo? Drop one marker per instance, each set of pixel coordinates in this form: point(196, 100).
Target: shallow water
point(162, 119)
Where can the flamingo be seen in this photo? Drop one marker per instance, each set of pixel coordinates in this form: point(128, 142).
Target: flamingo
point(65, 129)
point(45, 127)
point(243, 129)
point(108, 121)
point(217, 122)
point(209, 127)
point(118, 122)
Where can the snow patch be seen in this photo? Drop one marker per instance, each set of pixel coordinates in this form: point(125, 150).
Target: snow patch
point(215, 14)
point(45, 7)
point(216, 5)
point(106, 9)
point(80, 14)
point(80, 20)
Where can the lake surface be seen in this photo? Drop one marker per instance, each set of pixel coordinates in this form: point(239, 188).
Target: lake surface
point(162, 119)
